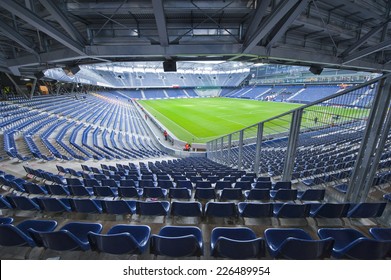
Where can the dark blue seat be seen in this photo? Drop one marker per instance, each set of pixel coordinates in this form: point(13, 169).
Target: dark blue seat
point(263, 178)
point(4, 203)
point(24, 203)
point(11, 235)
point(6, 220)
point(105, 191)
point(87, 205)
point(311, 194)
point(153, 208)
point(285, 185)
point(283, 194)
point(352, 244)
point(381, 233)
point(109, 183)
point(255, 210)
point(180, 193)
point(186, 208)
point(119, 207)
point(57, 190)
point(76, 182)
point(231, 194)
point(366, 210)
point(130, 192)
point(387, 197)
point(223, 185)
point(127, 183)
point(203, 184)
point(177, 241)
point(220, 209)
point(291, 210)
point(121, 239)
point(329, 210)
point(257, 194)
point(262, 185)
point(80, 191)
point(244, 185)
point(72, 236)
point(165, 184)
point(146, 183)
point(184, 184)
point(51, 204)
point(154, 192)
point(32, 188)
point(205, 194)
point(294, 243)
point(236, 243)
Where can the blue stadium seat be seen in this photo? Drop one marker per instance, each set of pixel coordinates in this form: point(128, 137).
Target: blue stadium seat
point(220, 209)
point(177, 241)
point(6, 220)
point(71, 237)
point(311, 194)
point(186, 208)
point(255, 210)
point(352, 244)
point(119, 207)
point(236, 243)
point(294, 243)
point(153, 208)
point(130, 192)
point(180, 193)
point(121, 239)
point(11, 235)
point(51, 204)
point(87, 205)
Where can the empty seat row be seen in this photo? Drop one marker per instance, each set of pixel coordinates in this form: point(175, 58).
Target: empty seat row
point(195, 209)
point(185, 241)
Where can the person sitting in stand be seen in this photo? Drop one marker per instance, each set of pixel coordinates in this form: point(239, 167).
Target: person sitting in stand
point(187, 147)
point(165, 135)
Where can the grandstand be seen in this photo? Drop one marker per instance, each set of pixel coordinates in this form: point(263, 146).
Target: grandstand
point(96, 168)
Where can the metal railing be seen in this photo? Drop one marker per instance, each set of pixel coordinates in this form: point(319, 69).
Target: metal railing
point(317, 144)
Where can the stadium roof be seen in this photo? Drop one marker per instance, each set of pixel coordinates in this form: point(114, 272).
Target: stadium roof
point(40, 34)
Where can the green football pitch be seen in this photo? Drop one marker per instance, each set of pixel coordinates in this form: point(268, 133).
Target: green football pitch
point(198, 120)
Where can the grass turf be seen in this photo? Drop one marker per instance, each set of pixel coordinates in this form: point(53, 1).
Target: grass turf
point(199, 120)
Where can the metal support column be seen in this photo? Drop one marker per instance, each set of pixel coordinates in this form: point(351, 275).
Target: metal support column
point(372, 144)
point(58, 88)
point(33, 88)
point(229, 150)
point(221, 150)
point(240, 154)
point(292, 145)
point(73, 87)
point(258, 148)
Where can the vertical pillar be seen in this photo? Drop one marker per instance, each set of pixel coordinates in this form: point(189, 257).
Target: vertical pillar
point(240, 153)
point(372, 144)
point(257, 159)
point(33, 88)
point(73, 87)
point(229, 150)
point(292, 145)
point(58, 88)
point(222, 150)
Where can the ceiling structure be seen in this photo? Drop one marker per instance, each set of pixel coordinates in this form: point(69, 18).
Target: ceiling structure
point(39, 34)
